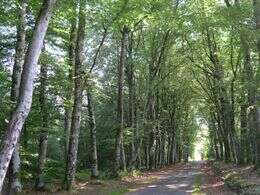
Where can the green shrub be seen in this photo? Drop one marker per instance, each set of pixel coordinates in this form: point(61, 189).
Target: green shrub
point(83, 175)
point(122, 174)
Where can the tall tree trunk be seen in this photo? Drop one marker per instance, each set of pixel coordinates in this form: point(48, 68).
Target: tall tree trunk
point(213, 135)
point(120, 105)
point(248, 87)
point(147, 157)
point(43, 138)
point(22, 109)
point(123, 156)
point(91, 115)
point(163, 150)
point(14, 167)
point(131, 99)
point(69, 99)
point(221, 149)
point(67, 127)
point(152, 137)
point(92, 124)
point(77, 107)
point(234, 136)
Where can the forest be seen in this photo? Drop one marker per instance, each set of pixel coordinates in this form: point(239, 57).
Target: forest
point(100, 89)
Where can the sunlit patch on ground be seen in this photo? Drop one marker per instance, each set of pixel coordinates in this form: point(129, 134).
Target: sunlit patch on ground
point(176, 186)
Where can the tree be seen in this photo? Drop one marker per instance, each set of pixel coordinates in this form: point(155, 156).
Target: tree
point(43, 138)
point(77, 107)
point(120, 104)
point(14, 166)
point(26, 88)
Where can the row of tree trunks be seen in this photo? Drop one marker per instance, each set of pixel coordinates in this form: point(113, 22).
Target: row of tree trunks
point(248, 122)
point(157, 56)
point(223, 103)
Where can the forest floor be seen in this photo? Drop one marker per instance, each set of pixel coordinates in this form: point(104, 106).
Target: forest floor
point(197, 178)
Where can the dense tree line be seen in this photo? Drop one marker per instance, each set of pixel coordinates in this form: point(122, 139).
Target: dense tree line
point(109, 87)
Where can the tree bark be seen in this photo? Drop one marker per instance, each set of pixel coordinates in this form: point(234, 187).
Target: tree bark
point(22, 109)
point(131, 101)
point(120, 104)
point(92, 124)
point(43, 138)
point(14, 167)
point(123, 156)
point(77, 107)
point(91, 115)
point(147, 157)
point(248, 87)
point(221, 95)
point(71, 61)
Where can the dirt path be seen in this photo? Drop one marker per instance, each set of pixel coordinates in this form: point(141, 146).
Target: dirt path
point(195, 178)
point(192, 178)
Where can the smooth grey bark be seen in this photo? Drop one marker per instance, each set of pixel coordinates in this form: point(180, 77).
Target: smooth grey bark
point(77, 107)
point(43, 137)
point(14, 167)
point(120, 104)
point(22, 109)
